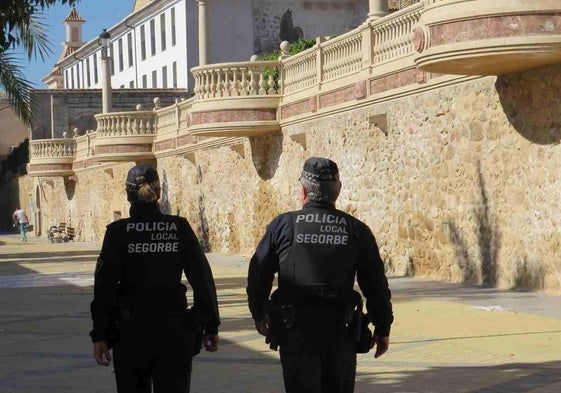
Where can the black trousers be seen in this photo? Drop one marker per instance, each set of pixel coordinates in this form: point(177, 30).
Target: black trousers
point(151, 354)
point(317, 354)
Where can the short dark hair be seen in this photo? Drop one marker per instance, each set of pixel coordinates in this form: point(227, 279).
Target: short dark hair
point(324, 191)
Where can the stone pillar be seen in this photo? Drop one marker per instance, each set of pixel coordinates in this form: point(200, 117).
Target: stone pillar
point(377, 9)
point(104, 39)
point(106, 83)
point(203, 42)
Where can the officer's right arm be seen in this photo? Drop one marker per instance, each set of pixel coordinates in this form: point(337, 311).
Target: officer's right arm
point(199, 274)
point(108, 274)
point(373, 283)
point(262, 268)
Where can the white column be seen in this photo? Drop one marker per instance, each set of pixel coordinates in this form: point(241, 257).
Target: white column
point(105, 81)
point(377, 9)
point(203, 44)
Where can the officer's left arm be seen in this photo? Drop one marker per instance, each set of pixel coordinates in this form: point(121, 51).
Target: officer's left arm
point(198, 273)
point(108, 274)
point(373, 283)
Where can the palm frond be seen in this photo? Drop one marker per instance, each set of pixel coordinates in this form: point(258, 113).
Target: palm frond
point(15, 87)
point(33, 37)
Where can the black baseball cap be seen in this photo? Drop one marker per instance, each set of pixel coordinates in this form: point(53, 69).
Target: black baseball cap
point(319, 169)
point(140, 174)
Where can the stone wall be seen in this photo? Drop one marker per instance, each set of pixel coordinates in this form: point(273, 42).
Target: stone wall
point(12, 129)
point(17, 192)
point(76, 108)
point(462, 184)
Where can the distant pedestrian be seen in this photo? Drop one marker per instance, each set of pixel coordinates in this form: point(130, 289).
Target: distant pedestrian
point(21, 220)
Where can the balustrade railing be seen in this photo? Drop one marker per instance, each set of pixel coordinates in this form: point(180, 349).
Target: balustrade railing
point(374, 43)
point(84, 145)
point(300, 71)
point(236, 79)
point(393, 36)
point(174, 117)
point(52, 148)
point(167, 119)
point(126, 123)
point(341, 56)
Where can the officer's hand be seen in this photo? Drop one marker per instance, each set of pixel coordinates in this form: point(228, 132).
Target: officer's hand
point(210, 342)
point(101, 353)
point(262, 326)
point(382, 345)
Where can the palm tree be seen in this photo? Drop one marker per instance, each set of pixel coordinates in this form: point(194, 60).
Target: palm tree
point(22, 29)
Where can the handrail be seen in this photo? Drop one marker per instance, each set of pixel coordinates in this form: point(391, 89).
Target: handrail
point(52, 148)
point(132, 123)
point(174, 117)
point(393, 35)
point(249, 78)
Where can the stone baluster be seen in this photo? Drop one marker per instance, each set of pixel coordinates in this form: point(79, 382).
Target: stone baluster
point(243, 82)
point(262, 90)
point(271, 83)
point(253, 82)
point(212, 92)
point(227, 84)
point(219, 84)
point(235, 82)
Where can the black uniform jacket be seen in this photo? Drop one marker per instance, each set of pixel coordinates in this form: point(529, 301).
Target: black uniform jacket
point(140, 268)
point(320, 247)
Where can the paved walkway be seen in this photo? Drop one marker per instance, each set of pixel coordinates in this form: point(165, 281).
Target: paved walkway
point(446, 338)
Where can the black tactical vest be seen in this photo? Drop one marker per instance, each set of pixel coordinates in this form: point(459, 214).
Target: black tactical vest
point(322, 259)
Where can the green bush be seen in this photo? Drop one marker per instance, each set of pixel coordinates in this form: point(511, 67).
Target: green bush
point(295, 48)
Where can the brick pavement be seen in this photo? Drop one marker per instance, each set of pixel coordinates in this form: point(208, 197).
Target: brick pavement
point(446, 337)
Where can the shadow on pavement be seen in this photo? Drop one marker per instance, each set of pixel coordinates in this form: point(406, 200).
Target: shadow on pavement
point(516, 377)
point(45, 348)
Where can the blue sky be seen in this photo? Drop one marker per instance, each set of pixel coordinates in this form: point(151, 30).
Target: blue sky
point(99, 14)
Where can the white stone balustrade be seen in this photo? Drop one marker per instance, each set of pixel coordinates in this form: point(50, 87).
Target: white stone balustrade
point(134, 123)
point(341, 56)
point(235, 79)
point(167, 119)
point(390, 38)
point(393, 36)
point(84, 145)
point(173, 118)
point(300, 71)
point(52, 148)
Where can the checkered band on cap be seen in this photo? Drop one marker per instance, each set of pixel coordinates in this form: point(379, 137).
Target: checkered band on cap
point(142, 174)
point(319, 177)
point(133, 187)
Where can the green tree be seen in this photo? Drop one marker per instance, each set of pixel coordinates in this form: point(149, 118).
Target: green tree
point(22, 27)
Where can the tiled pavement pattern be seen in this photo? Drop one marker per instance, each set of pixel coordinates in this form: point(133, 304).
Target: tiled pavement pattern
point(446, 337)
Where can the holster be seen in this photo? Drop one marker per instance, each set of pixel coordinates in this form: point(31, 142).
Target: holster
point(281, 317)
point(357, 324)
point(114, 326)
point(193, 321)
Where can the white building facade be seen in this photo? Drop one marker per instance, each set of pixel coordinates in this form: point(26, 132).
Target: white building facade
point(157, 44)
point(148, 50)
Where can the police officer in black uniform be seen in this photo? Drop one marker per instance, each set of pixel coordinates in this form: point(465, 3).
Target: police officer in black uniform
point(317, 252)
point(140, 307)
